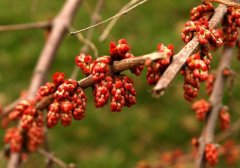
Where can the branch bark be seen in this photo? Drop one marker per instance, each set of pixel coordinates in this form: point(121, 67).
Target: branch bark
point(215, 99)
point(60, 26)
point(180, 58)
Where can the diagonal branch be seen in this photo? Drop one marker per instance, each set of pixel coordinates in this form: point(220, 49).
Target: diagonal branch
point(60, 26)
point(55, 159)
point(180, 58)
point(215, 99)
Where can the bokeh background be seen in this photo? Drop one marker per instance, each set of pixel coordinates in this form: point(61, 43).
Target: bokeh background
point(103, 138)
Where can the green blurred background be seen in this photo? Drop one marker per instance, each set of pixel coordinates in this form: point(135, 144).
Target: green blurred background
point(105, 139)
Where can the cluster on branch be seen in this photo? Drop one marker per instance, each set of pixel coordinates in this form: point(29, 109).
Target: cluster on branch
point(67, 100)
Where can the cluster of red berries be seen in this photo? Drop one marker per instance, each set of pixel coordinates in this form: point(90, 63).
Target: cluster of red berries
point(69, 100)
point(120, 87)
point(156, 68)
point(201, 108)
point(31, 123)
point(123, 93)
point(211, 154)
point(204, 34)
point(199, 26)
point(230, 24)
point(198, 65)
point(224, 117)
point(195, 71)
point(203, 11)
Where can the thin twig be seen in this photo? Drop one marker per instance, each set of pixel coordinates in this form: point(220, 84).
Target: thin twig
point(55, 159)
point(108, 28)
point(230, 3)
point(107, 20)
point(215, 99)
point(26, 26)
point(180, 58)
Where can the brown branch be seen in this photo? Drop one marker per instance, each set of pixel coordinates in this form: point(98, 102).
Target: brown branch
point(55, 159)
point(180, 58)
point(215, 99)
point(230, 3)
point(26, 26)
point(60, 26)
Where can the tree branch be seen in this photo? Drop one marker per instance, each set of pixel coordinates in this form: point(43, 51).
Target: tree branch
point(180, 58)
point(26, 26)
point(230, 3)
point(118, 66)
point(55, 159)
point(215, 99)
point(60, 26)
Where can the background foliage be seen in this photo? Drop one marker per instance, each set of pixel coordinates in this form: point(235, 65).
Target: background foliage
point(105, 139)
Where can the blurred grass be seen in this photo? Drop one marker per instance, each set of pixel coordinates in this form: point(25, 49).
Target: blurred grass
point(105, 139)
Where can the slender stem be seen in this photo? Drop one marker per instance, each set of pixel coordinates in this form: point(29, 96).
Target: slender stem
point(108, 28)
point(226, 2)
point(109, 19)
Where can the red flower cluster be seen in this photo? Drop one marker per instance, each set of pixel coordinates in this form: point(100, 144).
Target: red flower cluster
point(120, 87)
point(123, 93)
point(199, 26)
point(224, 117)
point(69, 100)
point(202, 11)
point(156, 68)
point(31, 120)
point(204, 34)
point(14, 138)
point(101, 91)
point(211, 154)
point(195, 71)
point(83, 62)
point(201, 108)
point(230, 24)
